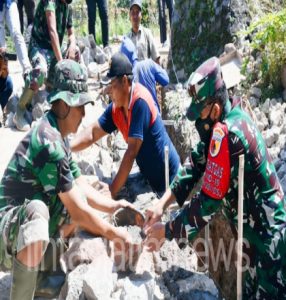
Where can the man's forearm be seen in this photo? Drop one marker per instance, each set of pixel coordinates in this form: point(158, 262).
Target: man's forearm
point(96, 199)
point(122, 174)
point(167, 199)
point(56, 45)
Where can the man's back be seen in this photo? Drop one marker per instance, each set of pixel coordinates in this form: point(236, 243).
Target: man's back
point(148, 73)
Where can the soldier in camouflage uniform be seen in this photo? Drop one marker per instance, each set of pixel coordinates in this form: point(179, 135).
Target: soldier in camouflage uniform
point(226, 131)
point(52, 19)
point(42, 187)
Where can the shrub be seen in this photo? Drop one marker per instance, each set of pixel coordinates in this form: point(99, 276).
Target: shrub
point(268, 36)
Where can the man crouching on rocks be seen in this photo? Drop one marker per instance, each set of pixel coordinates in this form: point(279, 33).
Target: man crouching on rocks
point(42, 187)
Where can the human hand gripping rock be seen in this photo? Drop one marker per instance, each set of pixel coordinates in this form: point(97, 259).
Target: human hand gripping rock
point(155, 237)
point(152, 216)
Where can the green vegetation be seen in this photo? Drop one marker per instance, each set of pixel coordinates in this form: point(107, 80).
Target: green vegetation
point(119, 23)
point(268, 37)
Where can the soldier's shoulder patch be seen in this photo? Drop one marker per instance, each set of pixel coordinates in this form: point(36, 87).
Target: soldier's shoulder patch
point(216, 141)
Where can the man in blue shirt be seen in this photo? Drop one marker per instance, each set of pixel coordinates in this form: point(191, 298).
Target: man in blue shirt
point(6, 85)
point(146, 71)
point(134, 114)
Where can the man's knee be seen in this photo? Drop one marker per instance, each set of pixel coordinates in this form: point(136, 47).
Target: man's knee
point(36, 209)
point(36, 78)
point(36, 225)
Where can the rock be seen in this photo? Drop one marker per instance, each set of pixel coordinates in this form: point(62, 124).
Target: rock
point(253, 101)
point(262, 121)
point(99, 281)
point(276, 116)
point(271, 136)
point(138, 287)
point(283, 183)
point(281, 141)
point(100, 56)
point(256, 92)
point(87, 168)
point(282, 171)
point(197, 282)
point(83, 249)
point(171, 256)
point(266, 106)
point(283, 154)
point(274, 152)
point(72, 289)
point(86, 56)
point(105, 159)
point(128, 262)
point(93, 70)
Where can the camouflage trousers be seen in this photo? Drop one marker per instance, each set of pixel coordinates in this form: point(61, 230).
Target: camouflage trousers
point(43, 63)
point(20, 227)
point(266, 275)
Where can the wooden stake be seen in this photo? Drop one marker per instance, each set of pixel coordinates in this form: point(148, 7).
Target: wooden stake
point(240, 226)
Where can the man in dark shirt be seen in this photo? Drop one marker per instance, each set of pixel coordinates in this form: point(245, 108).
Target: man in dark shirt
point(135, 115)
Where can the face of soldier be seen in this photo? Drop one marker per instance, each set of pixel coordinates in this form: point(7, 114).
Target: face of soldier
point(135, 17)
point(205, 123)
point(75, 117)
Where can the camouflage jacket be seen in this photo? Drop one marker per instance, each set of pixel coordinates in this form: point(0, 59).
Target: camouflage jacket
point(40, 31)
point(264, 204)
point(40, 168)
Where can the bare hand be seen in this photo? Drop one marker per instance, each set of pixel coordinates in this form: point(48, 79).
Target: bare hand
point(152, 216)
point(155, 237)
point(124, 204)
point(71, 52)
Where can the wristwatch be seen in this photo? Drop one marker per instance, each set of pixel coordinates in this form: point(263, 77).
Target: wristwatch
point(168, 233)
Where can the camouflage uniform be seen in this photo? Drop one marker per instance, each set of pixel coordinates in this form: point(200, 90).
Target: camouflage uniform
point(264, 213)
point(40, 49)
point(40, 169)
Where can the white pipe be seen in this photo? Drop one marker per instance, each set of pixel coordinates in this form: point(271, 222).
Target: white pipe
point(166, 150)
point(240, 226)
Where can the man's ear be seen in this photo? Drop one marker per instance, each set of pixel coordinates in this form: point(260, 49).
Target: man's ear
point(217, 111)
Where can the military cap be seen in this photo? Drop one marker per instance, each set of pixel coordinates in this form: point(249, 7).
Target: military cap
point(70, 84)
point(203, 84)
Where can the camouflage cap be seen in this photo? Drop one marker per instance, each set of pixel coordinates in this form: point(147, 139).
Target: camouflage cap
point(70, 84)
point(202, 84)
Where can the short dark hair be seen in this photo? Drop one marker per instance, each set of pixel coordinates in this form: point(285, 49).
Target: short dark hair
point(129, 78)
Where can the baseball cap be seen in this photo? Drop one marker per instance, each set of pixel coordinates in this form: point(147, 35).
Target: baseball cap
point(70, 84)
point(119, 66)
point(202, 84)
point(135, 2)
